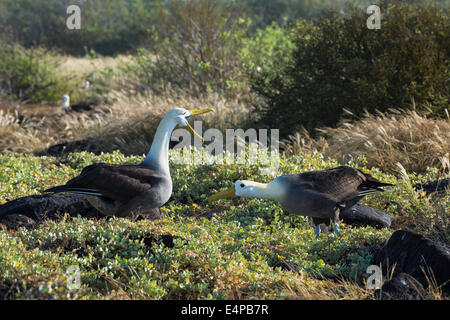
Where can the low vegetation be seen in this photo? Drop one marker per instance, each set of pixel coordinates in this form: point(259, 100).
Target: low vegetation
point(29, 75)
point(237, 253)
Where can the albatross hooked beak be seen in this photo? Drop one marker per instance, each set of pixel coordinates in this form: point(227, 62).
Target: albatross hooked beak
point(230, 193)
point(197, 112)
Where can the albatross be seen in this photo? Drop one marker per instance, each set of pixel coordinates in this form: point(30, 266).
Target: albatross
point(319, 195)
point(67, 107)
point(121, 190)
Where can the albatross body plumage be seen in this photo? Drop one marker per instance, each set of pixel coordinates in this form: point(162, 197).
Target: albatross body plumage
point(317, 194)
point(65, 105)
point(120, 190)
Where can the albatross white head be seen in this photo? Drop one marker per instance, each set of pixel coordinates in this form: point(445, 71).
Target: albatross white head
point(157, 158)
point(65, 106)
point(273, 190)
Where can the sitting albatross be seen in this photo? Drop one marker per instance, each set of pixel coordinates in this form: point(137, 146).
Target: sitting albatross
point(121, 190)
point(316, 194)
point(67, 107)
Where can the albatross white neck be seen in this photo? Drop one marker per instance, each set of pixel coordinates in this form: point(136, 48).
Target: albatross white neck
point(158, 156)
point(270, 191)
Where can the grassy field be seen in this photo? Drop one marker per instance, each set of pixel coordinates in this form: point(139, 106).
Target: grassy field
point(290, 75)
point(235, 254)
point(240, 249)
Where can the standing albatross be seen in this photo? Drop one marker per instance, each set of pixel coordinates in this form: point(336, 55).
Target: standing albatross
point(316, 194)
point(120, 190)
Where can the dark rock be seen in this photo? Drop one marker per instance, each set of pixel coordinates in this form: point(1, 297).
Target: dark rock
point(27, 211)
point(15, 221)
point(64, 148)
point(361, 215)
point(417, 256)
point(39, 207)
point(437, 186)
point(81, 106)
point(403, 287)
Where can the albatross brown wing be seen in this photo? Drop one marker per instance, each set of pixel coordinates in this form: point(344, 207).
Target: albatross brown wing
point(120, 182)
point(341, 183)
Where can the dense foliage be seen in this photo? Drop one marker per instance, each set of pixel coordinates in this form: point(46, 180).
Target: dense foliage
point(29, 75)
point(339, 63)
point(109, 27)
point(116, 26)
point(234, 254)
point(112, 27)
point(198, 48)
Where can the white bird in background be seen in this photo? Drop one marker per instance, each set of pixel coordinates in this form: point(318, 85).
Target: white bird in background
point(65, 106)
point(86, 85)
point(77, 107)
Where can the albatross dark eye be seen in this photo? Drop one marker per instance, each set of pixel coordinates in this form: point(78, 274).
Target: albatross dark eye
point(242, 185)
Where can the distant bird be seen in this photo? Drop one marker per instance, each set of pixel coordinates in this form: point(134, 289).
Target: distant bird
point(120, 190)
point(316, 194)
point(86, 85)
point(67, 107)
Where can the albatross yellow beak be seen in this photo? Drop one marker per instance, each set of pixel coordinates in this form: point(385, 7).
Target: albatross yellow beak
point(191, 130)
point(230, 193)
point(197, 112)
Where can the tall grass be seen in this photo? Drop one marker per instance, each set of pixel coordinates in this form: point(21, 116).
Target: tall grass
point(385, 139)
point(29, 75)
point(131, 122)
point(21, 137)
point(127, 125)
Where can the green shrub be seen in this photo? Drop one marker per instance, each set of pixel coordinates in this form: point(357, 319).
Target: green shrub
point(267, 50)
point(339, 63)
point(29, 75)
point(266, 12)
point(197, 48)
point(109, 27)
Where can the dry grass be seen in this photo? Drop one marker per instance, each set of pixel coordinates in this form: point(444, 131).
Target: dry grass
point(127, 125)
point(20, 137)
point(307, 288)
point(409, 138)
point(303, 142)
point(85, 65)
point(129, 120)
point(132, 121)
